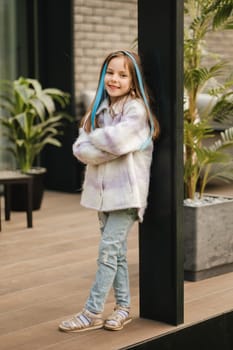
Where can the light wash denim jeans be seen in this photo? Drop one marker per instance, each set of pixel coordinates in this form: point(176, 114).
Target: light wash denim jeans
point(112, 261)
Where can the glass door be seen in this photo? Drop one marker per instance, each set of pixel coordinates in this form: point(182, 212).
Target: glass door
point(8, 46)
point(8, 61)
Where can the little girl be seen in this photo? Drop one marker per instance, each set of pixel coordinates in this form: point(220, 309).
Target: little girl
point(115, 141)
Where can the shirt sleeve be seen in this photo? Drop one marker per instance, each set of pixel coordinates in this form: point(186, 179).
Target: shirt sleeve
point(126, 136)
point(87, 153)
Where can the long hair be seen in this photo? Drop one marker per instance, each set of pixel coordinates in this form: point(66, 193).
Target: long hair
point(139, 88)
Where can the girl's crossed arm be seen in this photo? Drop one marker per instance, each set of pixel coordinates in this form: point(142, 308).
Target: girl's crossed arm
point(87, 153)
point(126, 136)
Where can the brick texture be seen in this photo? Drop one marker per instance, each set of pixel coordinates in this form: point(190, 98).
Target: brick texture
point(100, 26)
point(220, 43)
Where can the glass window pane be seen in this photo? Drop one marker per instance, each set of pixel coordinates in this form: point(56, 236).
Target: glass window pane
point(8, 64)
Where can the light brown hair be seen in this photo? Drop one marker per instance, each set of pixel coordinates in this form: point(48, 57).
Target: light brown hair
point(135, 91)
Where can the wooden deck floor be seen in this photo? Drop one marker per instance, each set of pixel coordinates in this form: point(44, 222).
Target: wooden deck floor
point(46, 272)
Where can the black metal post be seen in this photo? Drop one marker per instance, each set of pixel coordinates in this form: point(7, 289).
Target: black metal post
point(160, 39)
point(55, 62)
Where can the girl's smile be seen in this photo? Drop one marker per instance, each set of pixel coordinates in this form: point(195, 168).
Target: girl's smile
point(112, 87)
point(117, 79)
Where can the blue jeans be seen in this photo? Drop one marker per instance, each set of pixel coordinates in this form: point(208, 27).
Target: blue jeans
point(112, 261)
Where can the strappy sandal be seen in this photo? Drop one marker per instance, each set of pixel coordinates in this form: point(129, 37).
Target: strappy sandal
point(118, 319)
point(83, 321)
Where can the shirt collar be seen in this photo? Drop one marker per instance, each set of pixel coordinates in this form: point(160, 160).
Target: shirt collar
point(116, 108)
point(104, 105)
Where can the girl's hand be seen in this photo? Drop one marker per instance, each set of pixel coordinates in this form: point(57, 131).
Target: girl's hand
point(87, 153)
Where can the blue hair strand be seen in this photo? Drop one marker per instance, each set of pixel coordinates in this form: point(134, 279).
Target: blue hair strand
point(99, 96)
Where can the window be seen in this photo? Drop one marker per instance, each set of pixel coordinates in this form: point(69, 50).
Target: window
point(8, 64)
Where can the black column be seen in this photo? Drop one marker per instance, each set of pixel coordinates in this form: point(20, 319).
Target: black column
point(55, 68)
point(160, 37)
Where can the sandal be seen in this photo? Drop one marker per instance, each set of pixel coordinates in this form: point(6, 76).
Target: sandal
point(118, 318)
point(83, 321)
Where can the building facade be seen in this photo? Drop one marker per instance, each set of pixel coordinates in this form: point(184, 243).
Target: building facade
point(62, 43)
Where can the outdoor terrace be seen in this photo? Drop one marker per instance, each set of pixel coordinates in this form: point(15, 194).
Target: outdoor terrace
point(46, 272)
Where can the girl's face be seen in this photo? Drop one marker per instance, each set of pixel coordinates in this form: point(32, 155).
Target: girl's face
point(117, 81)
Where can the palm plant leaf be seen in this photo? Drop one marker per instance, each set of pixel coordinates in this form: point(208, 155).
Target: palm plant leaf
point(223, 89)
point(210, 155)
point(23, 92)
point(6, 105)
point(227, 135)
point(47, 102)
point(58, 96)
point(223, 14)
point(30, 118)
point(195, 132)
point(225, 141)
point(196, 78)
point(223, 173)
point(199, 161)
point(38, 106)
point(34, 83)
point(222, 110)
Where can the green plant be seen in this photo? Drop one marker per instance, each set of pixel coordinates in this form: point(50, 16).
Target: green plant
point(203, 163)
point(32, 117)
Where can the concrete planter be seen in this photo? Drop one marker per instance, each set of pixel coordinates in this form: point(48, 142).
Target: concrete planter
point(208, 240)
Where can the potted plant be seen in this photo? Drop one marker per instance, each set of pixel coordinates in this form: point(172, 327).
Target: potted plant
point(208, 220)
point(32, 118)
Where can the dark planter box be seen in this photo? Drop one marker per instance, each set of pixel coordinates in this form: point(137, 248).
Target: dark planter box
point(19, 191)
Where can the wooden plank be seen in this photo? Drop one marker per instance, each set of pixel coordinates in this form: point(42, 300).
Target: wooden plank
point(46, 273)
